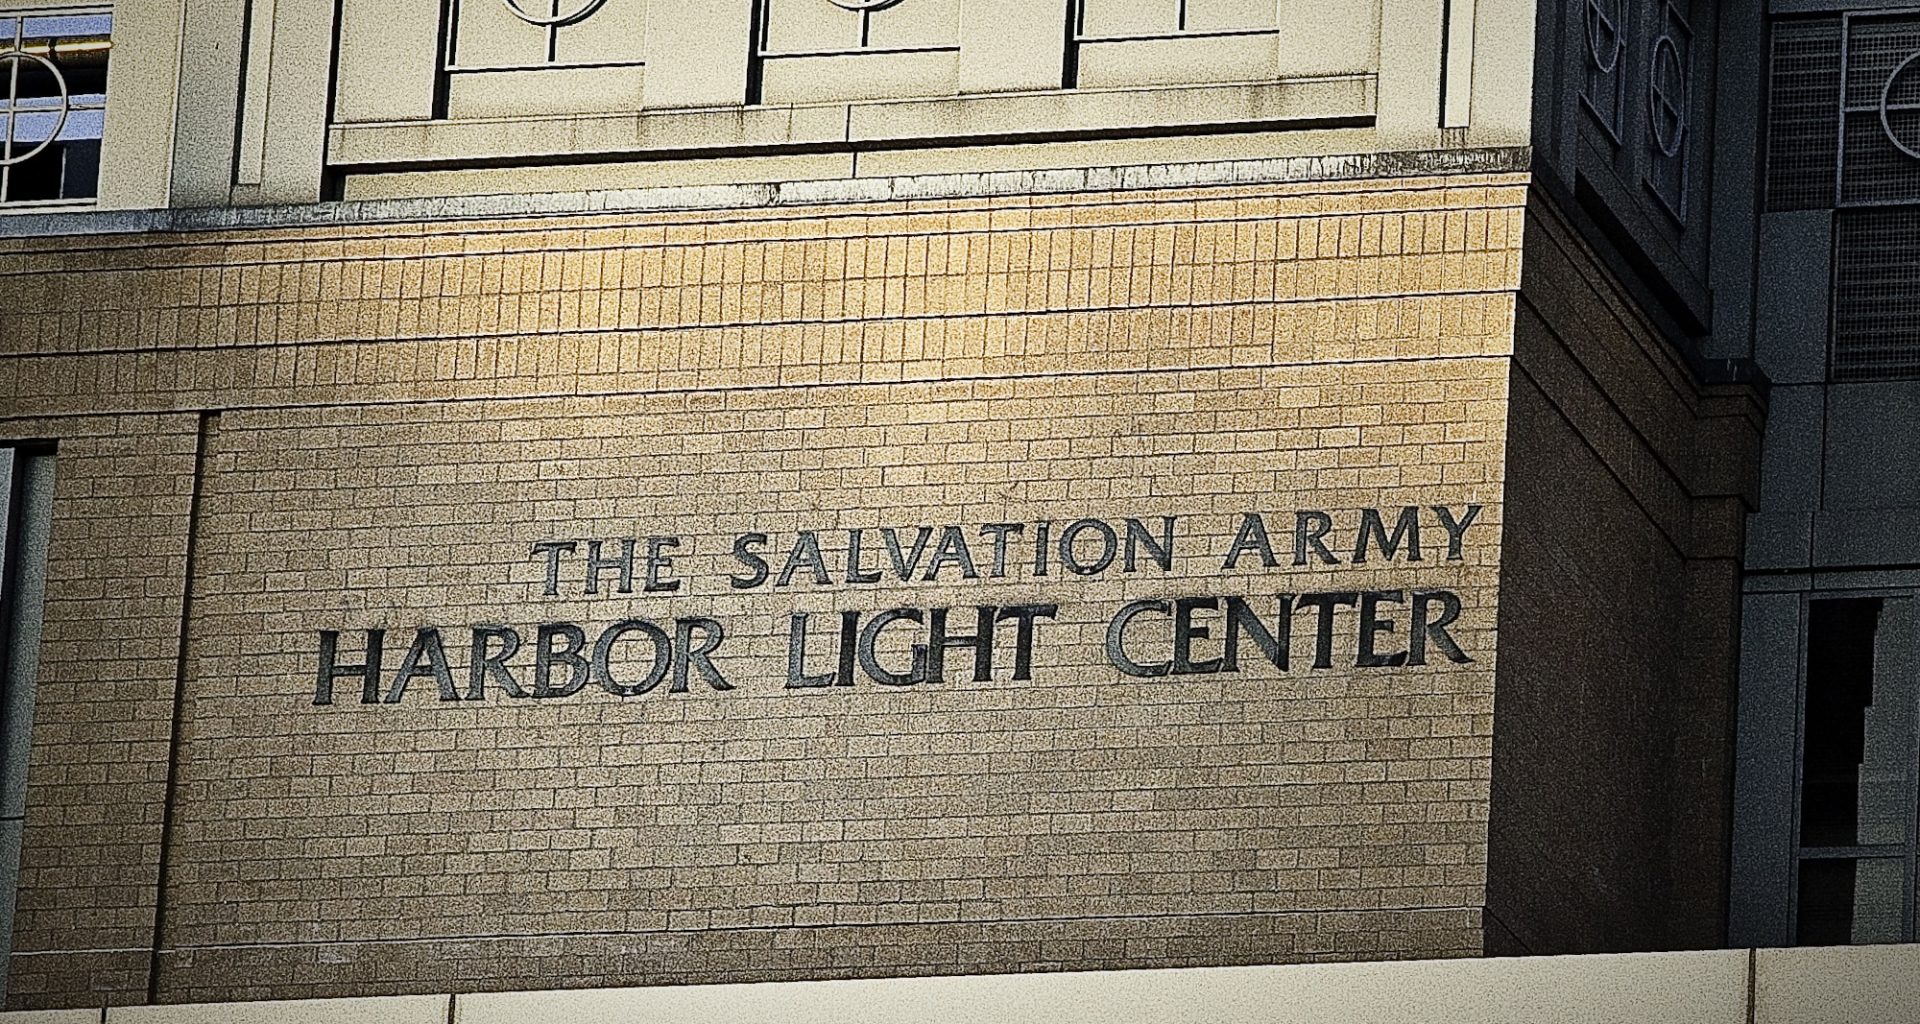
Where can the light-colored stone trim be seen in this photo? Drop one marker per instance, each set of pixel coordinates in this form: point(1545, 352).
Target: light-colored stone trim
point(781, 194)
point(483, 141)
point(1849, 985)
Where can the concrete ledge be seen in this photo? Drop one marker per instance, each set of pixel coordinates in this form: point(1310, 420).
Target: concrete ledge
point(907, 188)
point(1679, 988)
point(1840, 985)
point(1836, 985)
point(1844, 985)
point(54, 1017)
point(372, 1010)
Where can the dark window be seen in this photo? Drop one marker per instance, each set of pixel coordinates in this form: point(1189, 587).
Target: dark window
point(1858, 795)
point(1839, 692)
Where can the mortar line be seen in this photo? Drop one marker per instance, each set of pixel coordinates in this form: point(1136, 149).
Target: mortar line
point(722, 389)
point(1753, 956)
point(208, 422)
point(1301, 912)
point(850, 320)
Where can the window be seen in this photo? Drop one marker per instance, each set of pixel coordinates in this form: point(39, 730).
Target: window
point(1097, 19)
point(53, 99)
point(1135, 42)
point(1880, 110)
point(1843, 135)
point(1855, 846)
point(1604, 29)
point(512, 58)
point(524, 35)
point(1669, 110)
point(1844, 121)
point(815, 51)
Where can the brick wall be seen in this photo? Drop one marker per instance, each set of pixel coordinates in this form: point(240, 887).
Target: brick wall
point(404, 410)
point(103, 712)
point(1627, 484)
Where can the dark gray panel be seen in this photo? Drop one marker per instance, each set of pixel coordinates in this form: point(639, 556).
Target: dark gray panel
point(1857, 537)
point(1791, 455)
point(1790, 309)
point(1873, 446)
point(1779, 540)
point(1763, 771)
point(1737, 136)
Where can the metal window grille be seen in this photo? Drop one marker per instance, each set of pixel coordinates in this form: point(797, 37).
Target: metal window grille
point(1876, 319)
point(1803, 120)
point(1844, 119)
point(1880, 135)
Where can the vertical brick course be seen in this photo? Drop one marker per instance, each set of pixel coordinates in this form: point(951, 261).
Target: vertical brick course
point(1627, 488)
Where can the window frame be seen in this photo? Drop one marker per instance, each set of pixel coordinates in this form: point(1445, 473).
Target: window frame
point(19, 13)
